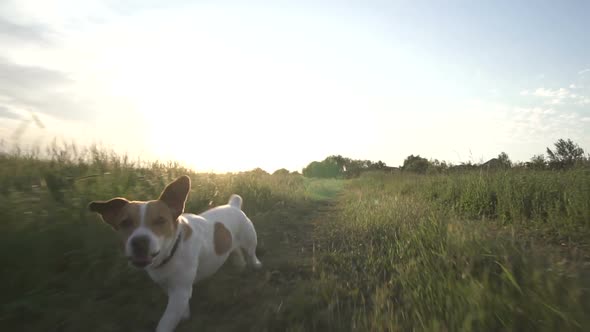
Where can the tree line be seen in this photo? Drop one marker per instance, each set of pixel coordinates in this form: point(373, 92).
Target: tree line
point(564, 155)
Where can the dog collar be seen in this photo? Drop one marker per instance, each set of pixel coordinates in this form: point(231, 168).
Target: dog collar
point(174, 247)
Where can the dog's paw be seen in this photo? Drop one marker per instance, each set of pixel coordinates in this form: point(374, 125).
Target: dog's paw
point(187, 314)
point(257, 265)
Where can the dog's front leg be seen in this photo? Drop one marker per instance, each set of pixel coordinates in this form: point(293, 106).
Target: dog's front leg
point(177, 307)
point(187, 313)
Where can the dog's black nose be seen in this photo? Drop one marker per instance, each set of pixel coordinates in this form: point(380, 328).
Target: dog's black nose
point(140, 246)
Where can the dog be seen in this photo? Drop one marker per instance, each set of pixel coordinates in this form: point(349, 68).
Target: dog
point(179, 249)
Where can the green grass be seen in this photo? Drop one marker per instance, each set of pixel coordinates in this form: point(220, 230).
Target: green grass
point(467, 252)
point(63, 269)
point(463, 252)
point(323, 190)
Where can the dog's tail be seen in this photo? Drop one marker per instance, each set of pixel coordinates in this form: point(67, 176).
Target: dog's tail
point(235, 201)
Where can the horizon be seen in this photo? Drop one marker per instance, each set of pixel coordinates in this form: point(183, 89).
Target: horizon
point(230, 88)
point(74, 151)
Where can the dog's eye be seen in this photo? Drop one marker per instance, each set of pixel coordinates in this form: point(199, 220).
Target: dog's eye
point(160, 221)
point(127, 223)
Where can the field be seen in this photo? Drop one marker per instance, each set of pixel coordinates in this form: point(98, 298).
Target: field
point(473, 251)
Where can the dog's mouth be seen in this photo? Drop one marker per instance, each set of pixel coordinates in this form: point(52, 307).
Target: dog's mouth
point(142, 261)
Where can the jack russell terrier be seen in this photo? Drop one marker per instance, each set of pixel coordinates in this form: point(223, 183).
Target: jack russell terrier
point(178, 249)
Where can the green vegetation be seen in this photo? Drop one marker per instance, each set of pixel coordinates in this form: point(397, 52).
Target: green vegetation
point(566, 155)
point(416, 164)
point(464, 252)
point(63, 269)
point(449, 251)
point(341, 167)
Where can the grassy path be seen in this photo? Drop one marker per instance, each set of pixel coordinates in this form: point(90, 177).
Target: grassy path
point(489, 251)
point(67, 273)
point(381, 253)
point(278, 297)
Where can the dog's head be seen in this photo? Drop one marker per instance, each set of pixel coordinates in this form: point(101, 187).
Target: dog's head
point(146, 227)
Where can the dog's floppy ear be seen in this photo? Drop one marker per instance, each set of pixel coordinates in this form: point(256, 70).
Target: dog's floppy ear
point(108, 210)
point(175, 194)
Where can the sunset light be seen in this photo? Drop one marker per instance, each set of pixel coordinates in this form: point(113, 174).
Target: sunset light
point(282, 87)
point(294, 165)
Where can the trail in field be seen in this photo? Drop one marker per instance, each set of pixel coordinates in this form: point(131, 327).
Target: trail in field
point(263, 300)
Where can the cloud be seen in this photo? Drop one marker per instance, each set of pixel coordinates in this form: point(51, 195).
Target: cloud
point(558, 96)
point(558, 93)
point(536, 123)
point(520, 131)
point(38, 89)
point(27, 77)
point(6, 113)
point(11, 31)
point(584, 71)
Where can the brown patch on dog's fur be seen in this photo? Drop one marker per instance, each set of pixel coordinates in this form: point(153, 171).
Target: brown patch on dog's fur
point(124, 216)
point(129, 220)
point(175, 194)
point(124, 219)
point(221, 239)
point(110, 210)
point(159, 219)
point(160, 215)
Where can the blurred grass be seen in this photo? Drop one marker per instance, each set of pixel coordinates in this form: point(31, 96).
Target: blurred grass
point(63, 269)
point(323, 190)
point(476, 251)
point(505, 251)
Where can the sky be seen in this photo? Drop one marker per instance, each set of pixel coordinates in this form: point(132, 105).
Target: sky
point(230, 86)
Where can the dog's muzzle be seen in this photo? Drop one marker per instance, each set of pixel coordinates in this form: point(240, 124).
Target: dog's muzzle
point(140, 255)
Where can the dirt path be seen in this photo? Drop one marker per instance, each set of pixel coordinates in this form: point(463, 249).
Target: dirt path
point(274, 298)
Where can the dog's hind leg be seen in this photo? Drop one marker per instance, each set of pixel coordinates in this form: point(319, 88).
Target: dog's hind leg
point(237, 259)
point(249, 244)
point(251, 258)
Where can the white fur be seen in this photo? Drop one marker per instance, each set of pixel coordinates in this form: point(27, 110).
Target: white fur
point(235, 201)
point(195, 257)
point(142, 209)
point(142, 230)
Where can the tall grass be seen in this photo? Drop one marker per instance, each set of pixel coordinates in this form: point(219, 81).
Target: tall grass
point(477, 251)
point(455, 253)
point(559, 198)
point(61, 265)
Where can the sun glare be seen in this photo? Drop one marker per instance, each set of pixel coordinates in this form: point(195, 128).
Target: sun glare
point(216, 112)
point(219, 91)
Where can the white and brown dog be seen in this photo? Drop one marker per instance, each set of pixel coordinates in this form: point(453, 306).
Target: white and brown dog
point(178, 249)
